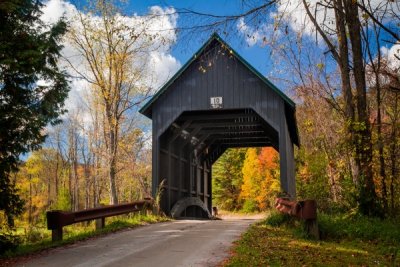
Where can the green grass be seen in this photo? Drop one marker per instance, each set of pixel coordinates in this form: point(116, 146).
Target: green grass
point(39, 239)
point(237, 212)
point(355, 241)
point(356, 226)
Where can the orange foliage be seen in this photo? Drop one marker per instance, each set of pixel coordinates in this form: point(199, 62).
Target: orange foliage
point(260, 176)
point(268, 158)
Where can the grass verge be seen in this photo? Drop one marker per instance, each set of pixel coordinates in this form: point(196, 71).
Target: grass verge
point(77, 232)
point(279, 241)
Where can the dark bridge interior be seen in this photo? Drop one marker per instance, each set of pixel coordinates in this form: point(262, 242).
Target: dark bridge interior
point(211, 132)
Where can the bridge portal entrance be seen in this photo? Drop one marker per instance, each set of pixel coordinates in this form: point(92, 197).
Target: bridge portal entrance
point(215, 102)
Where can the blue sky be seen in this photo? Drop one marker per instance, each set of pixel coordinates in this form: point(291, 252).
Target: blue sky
point(257, 56)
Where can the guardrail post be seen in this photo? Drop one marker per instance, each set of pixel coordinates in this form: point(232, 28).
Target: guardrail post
point(312, 229)
point(309, 213)
point(306, 210)
point(56, 234)
point(100, 223)
point(56, 219)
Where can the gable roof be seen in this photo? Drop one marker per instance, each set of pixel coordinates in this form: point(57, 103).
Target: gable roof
point(146, 109)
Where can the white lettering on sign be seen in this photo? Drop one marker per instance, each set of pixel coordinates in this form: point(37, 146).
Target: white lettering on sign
point(216, 102)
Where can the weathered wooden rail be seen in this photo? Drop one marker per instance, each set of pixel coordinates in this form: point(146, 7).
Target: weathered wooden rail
point(57, 219)
point(306, 210)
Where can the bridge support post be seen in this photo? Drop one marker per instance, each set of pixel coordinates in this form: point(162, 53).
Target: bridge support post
point(286, 159)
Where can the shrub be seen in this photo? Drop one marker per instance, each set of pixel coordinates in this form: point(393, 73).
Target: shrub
point(357, 226)
point(249, 205)
point(34, 235)
point(8, 242)
point(276, 219)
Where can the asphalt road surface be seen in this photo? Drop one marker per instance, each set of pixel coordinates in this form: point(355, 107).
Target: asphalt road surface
point(177, 243)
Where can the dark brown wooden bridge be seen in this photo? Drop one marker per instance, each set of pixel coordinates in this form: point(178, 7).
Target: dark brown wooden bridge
point(215, 102)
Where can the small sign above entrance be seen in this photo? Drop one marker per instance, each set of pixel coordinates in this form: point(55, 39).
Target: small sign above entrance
point(216, 102)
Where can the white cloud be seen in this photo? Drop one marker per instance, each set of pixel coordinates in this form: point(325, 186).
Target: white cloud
point(160, 64)
point(294, 12)
point(165, 65)
point(252, 35)
point(53, 10)
point(392, 55)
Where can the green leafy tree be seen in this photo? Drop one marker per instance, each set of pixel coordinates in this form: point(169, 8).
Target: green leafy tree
point(32, 89)
point(228, 179)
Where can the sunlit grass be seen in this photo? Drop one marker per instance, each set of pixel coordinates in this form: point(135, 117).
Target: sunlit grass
point(281, 242)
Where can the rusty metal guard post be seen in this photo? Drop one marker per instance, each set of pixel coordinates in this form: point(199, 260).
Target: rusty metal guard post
point(57, 219)
point(306, 210)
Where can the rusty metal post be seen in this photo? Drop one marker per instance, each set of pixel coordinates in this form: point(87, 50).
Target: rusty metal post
point(56, 219)
point(100, 223)
point(309, 213)
point(306, 210)
point(56, 234)
point(312, 228)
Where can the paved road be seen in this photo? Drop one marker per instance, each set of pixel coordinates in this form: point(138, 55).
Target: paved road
point(178, 243)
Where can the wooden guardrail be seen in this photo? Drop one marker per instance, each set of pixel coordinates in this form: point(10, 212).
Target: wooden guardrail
point(306, 210)
point(57, 219)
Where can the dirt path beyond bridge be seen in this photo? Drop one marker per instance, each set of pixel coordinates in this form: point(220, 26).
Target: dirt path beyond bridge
point(177, 243)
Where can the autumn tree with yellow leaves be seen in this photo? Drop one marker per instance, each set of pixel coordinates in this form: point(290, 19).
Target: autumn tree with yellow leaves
point(260, 178)
point(114, 64)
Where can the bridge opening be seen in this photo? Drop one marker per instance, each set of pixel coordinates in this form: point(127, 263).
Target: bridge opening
point(245, 179)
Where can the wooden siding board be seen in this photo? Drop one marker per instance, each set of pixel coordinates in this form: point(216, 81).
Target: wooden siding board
point(228, 92)
point(203, 91)
point(235, 88)
point(258, 100)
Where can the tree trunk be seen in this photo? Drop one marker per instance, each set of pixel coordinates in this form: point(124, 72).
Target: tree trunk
point(393, 156)
point(112, 155)
point(380, 140)
point(56, 177)
point(343, 62)
point(344, 66)
point(76, 177)
point(363, 145)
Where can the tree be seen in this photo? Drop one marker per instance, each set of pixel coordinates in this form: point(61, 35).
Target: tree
point(114, 57)
point(252, 178)
point(260, 179)
point(270, 184)
point(227, 179)
point(347, 51)
point(32, 88)
point(37, 183)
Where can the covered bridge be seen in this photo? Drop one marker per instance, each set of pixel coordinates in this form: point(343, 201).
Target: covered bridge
point(214, 102)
